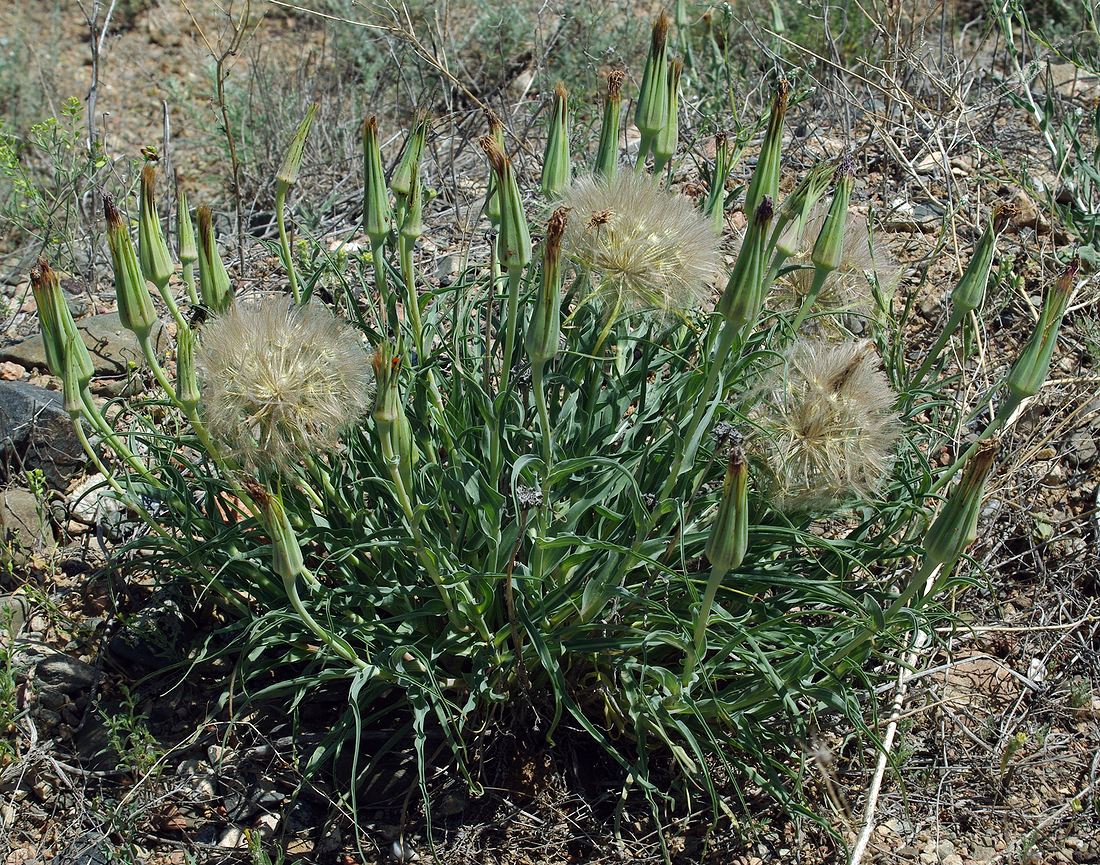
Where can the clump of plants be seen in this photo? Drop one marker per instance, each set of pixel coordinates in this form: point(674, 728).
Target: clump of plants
point(594, 480)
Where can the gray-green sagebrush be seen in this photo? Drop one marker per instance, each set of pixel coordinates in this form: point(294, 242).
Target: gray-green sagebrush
point(577, 491)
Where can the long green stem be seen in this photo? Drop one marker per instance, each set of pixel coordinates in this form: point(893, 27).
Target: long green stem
point(820, 275)
point(338, 645)
point(386, 311)
point(702, 619)
point(515, 278)
point(937, 347)
point(284, 243)
point(95, 417)
point(546, 438)
point(412, 301)
point(994, 426)
point(187, 271)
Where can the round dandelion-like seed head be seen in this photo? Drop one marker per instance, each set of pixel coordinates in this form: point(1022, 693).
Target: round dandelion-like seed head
point(646, 246)
point(280, 381)
point(826, 425)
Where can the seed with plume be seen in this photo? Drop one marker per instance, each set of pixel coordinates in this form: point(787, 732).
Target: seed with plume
point(280, 381)
point(826, 425)
point(647, 247)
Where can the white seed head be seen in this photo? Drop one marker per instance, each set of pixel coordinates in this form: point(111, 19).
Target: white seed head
point(826, 425)
point(280, 381)
point(646, 246)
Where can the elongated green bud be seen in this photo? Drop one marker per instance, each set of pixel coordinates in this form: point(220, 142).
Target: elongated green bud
point(544, 331)
point(71, 387)
point(292, 162)
point(1031, 368)
point(185, 231)
point(492, 202)
point(390, 420)
point(412, 223)
point(60, 336)
point(729, 534)
point(715, 207)
point(286, 552)
point(187, 384)
point(135, 306)
point(408, 165)
point(651, 111)
point(214, 285)
point(744, 293)
point(513, 237)
point(790, 224)
point(765, 177)
point(664, 145)
point(828, 251)
point(556, 170)
point(956, 526)
point(156, 262)
point(377, 214)
point(607, 156)
point(970, 292)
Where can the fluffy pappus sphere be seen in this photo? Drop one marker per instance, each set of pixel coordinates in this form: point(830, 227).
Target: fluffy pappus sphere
point(646, 246)
point(280, 381)
point(826, 425)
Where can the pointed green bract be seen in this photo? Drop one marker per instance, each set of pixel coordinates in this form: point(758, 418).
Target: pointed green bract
point(715, 207)
point(63, 346)
point(828, 250)
point(1031, 368)
point(187, 385)
point(729, 533)
point(765, 177)
point(664, 145)
point(651, 110)
point(492, 201)
point(377, 214)
point(790, 224)
point(607, 154)
point(185, 231)
point(744, 293)
point(292, 162)
point(214, 285)
point(970, 292)
point(156, 262)
point(408, 164)
point(135, 306)
point(514, 236)
point(556, 170)
point(956, 526)
point(544, 330)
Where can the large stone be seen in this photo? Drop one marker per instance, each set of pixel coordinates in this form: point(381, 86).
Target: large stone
point(24, 527)
point(37, 433)
point(60, 673)
point(113, 348)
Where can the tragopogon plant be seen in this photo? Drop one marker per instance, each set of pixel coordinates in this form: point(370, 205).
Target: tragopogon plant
point(568, 483)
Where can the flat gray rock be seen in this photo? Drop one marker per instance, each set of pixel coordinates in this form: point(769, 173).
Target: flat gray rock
point(37, 433)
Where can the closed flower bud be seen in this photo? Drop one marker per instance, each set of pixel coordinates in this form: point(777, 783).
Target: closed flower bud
point(514, 237)
point(790, 224)
point(377, 214)
point(187, 384)
point(1030, 370)
point(970, 291)
point(664, 145)
point(214, 285)
point(156, 263)
point(408, 165)
point(956, 526)
point(744, 293)
point(651, 110)
point(715, 208)
point(544, 331)
point(135, 306)
point(412, 223)
point(292, 162)
point(556, 170)
point(492, 202)
point(828, 251)
point(71, 386)
point(185, 231)
point(607, 155)
point(60, 338)
point(390, 420)
point(729, 534)
point(765, 177)
point(286, 552)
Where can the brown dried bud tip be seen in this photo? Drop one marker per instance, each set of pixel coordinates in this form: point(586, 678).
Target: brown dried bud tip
point(256, 491)
point(42, 273)
point(114, 218)
point(782, 93)
point(561, 91)
point(676, 67)
point(720, 139)
point(660, 31)
point(206, 221)
point(1070, 273)
point(149, 179)
point(1002, 215)
point(496, 125)
point(555, 229)
point(492, 150)
point(765, 211)
point(737, 457)
point(980, 463)
point(615, 79)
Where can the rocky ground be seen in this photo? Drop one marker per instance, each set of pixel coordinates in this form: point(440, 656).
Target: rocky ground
point(115, 756)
